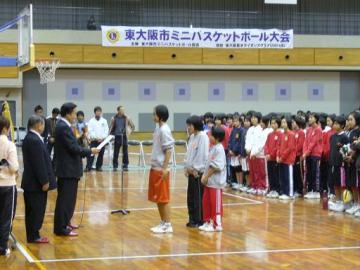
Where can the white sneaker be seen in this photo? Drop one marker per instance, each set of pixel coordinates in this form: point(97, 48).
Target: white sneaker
point(316, 195)
point(331, 205)
point(240, 186)
point(164, 228)
point(205, 226)
point(270, 194)
point(297, 195)
point(244, 188)
point(252, 191)
point(357, 214)
point(284, 197)
point(331, 196)
point(308, 195)
point(338, 207)
point(276, 194)
point(234, 186)
point(352, 210)
point(157, 227)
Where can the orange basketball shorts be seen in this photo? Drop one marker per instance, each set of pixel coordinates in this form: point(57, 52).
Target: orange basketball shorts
point(159, 190)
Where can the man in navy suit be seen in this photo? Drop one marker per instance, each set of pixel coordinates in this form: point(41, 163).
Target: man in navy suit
point(68, 169)
point(38, 178)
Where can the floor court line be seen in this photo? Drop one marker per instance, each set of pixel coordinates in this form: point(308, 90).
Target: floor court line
point(144, 189)
point(141, 209)
point(220, 253)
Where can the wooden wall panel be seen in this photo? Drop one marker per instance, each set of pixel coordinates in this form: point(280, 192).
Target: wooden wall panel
point(66, 53)
point(178, 56)
point(8, 49)
point(231, 56)
point(9, 72)
point(291, 57)
point(113, 55)
point(337, 57)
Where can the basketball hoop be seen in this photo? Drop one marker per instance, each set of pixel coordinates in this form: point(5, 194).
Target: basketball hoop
point(47, 70)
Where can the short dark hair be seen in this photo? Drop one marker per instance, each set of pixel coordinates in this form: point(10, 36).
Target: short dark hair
point(209, 115)
point(341, 120)
point(34, 120)
point(332, 116)
point(67, 108)
point(55, 111)
point(277, 121)
point(265, 119)
point(119, 107)
point(257, 115)
point(4, 123)
point(219, 117)
point(230, 115)
point(38, 108)
point(162, 112)
point(80, 113)
point(195, 120)
point(218, 133)
point(315, 115)
point(288, 120)
point(97, 108)
point(300, 121)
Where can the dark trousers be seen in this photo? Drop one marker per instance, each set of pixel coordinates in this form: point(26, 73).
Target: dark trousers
point(65, 204)
point(313, 173)
point(35, 206)
point(298, 176)
point(286, 179)
point(8, 196)
point(50, 147)
point(273, 175)
point(324, 174)
point(194, 199)
point(100, 157)
point(121, 141)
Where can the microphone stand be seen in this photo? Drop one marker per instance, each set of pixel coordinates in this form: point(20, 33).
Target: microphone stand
point(122, 210)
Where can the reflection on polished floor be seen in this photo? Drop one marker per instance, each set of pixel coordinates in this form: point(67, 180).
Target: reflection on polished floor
point(258, 233)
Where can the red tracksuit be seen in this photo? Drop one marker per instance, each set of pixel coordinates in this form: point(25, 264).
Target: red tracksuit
point(299, 141)
point(313, 144)
point(272, 144)
point(326, 143)
point(287, 149)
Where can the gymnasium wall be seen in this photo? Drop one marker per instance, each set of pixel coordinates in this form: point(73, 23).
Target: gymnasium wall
point(349, 91)
point(270, 91)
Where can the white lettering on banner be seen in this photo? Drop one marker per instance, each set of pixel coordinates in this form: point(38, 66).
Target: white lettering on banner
point(129, 36)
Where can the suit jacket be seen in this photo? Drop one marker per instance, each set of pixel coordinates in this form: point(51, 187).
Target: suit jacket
point(38, 169)
point(68, 152)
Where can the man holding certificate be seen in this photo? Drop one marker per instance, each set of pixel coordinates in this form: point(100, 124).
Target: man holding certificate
point(69, 169)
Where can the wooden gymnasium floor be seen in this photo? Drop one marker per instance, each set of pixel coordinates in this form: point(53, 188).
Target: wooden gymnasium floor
point(258, 233)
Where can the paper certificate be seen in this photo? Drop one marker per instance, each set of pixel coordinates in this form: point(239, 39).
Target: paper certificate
point(105, 142)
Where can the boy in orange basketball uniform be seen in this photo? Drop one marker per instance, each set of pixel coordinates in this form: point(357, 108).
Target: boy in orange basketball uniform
point(159, 179)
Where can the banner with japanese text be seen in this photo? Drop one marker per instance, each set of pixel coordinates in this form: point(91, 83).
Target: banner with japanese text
point(131, 36)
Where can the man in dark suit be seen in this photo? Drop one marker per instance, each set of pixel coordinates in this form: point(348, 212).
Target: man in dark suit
point(38, 178)
point(69, 169)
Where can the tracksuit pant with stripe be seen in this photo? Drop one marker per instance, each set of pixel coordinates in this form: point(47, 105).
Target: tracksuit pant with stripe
point(8, 197)
point(212, 205)
point(313, 173)
point(286, 179)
